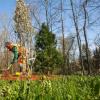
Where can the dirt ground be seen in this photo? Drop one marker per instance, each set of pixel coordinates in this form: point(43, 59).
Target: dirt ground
point(7, 76)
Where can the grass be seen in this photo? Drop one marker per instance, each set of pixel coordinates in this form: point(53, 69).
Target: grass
point(61, 88)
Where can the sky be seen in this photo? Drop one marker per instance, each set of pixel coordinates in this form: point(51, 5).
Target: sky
point(7, 7)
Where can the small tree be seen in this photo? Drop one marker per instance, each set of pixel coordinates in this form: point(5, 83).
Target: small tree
point(47, 56)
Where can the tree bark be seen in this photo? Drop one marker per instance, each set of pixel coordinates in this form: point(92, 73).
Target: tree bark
point(85, 35)
point(78, 36)
point(63, 42)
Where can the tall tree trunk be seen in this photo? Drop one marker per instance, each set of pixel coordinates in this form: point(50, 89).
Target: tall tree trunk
point(46, 12)
point(68, 65)
point(63, 42)
point(51, 16)
point(85, 35)
point(47, 17)
point(78, 36)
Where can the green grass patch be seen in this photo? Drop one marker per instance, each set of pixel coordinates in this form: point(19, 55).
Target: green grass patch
point(61, 88)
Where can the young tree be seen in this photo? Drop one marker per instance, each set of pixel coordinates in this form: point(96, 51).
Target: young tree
point(47, 56)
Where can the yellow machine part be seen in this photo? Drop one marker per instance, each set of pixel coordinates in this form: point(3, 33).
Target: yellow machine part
point(18, 73)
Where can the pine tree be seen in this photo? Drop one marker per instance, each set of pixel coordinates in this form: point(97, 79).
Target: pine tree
point(23, 25)
point(47, 56)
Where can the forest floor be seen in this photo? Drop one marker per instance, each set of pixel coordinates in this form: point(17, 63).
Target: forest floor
point(7, 76)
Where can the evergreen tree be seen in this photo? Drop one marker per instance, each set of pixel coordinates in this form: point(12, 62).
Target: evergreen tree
point(47, 56)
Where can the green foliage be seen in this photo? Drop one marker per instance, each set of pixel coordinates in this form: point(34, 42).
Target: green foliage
point(47, 56)
point(62, 88)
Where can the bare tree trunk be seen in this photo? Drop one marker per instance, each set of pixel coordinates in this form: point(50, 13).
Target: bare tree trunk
point(78, 36)
point(35, 17)
point(63, 42)
point(47, 17)
point(51, 16)
point(68, 65)
point(85, 35)
point(46, 11)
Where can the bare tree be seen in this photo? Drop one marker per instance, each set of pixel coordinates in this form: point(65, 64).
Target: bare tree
point(34, 7)
point(97, 40)
point(77, 33)
point(62, 30)
point(84, 31)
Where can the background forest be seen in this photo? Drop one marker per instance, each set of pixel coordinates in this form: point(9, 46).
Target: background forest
point(63, 35)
